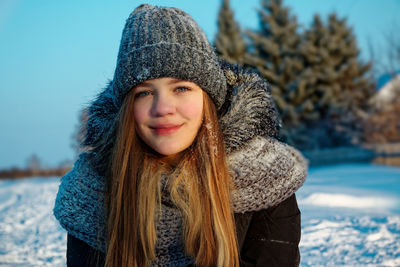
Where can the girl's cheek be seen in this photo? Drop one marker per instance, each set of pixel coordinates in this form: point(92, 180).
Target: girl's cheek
point(192, 110)
point(139, 113)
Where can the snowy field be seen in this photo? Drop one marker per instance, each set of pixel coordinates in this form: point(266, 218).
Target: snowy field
point(350, 217)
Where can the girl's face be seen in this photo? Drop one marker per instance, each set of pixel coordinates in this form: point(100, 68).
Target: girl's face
point(168, 113)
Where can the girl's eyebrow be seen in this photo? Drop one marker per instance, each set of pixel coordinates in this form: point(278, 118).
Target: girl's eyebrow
point(174, 80)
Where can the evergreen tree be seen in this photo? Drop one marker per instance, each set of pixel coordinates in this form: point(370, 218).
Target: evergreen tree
point(229, 42)
point(274, 52)
point(353, 76)
point(317, 80)
point(314, 84)
point(333, 87)
point(337, 81)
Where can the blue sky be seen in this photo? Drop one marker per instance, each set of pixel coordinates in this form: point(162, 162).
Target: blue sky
point(56, 55)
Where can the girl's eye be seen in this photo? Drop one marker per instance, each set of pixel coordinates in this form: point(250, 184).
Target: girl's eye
point(142, 94)
point(182, 89)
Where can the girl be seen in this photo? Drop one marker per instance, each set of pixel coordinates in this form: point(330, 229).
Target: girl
point(181, 167)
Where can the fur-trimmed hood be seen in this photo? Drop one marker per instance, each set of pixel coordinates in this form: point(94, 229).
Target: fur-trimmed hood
point(264, 171)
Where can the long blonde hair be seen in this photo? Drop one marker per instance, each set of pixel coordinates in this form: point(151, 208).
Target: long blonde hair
point(199, 186)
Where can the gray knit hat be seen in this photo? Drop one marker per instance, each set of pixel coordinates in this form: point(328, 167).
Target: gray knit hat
point(166, 42)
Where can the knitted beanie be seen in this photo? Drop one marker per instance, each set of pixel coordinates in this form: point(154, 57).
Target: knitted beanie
point(166, 42)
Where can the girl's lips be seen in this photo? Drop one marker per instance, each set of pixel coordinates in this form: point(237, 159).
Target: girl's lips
point(166, 129)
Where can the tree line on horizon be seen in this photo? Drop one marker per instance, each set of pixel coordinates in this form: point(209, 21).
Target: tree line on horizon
point(35, 168)
point(321, 87)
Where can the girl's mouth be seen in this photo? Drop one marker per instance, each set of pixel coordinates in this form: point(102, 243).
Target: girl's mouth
point(165, 129)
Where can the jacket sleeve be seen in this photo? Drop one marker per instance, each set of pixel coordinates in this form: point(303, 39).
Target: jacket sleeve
point(273, 236)
point(80, 254)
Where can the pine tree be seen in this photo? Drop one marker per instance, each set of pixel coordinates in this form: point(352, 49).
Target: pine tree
point(317, 80)
point(274, 52)
point(353, 77)
point(354, 81)
point(229, 42)
point(317, 77)
point(336, 83)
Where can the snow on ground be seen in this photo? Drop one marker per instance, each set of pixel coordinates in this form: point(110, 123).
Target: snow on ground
point(350, 217)
point(29, 233)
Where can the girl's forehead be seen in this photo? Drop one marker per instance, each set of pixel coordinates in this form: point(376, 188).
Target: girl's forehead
point(164, 81)
point(167, 80)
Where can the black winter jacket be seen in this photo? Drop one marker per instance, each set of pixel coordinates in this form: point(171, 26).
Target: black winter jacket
point(267, 237)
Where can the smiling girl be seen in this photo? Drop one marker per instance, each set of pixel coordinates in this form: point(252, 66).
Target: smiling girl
point(182, 166)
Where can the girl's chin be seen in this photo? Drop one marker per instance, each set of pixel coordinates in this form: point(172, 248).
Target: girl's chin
point(169, 152)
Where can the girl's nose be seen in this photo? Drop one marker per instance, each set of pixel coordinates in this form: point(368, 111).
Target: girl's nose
point(162, 105)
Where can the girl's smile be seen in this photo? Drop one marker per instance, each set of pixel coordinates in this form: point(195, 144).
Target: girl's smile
point(166, 129)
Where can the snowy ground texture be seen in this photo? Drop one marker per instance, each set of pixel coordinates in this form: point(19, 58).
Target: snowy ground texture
point(350, 217)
